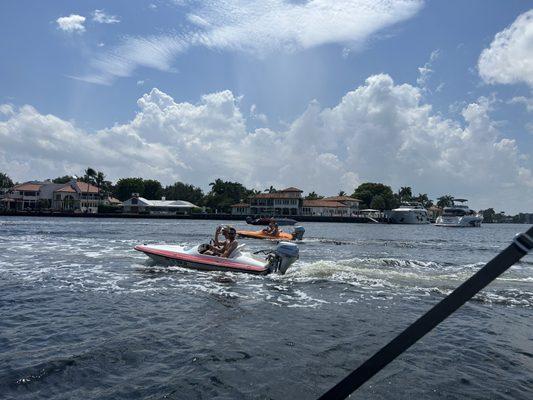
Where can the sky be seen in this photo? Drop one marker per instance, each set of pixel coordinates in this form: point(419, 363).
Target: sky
point(319, 94)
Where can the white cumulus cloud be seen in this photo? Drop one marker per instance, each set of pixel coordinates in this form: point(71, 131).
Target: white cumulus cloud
point(509, 59)
point(102, 18)
point(258, 28)
point(526, 101)
point(380, 131)
point(72, 24)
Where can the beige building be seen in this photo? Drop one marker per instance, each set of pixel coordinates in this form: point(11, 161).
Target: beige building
point(325, 208)
point(289, 202)
point(75, 196)
point(284, 202)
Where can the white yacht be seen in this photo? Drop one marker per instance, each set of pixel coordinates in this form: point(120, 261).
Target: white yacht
point(459, 215)
point(409, 213)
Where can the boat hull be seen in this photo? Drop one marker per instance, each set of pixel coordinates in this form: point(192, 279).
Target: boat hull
point(266, 221)
point(262, 235)
point(201, 262)
point(459, 222)
point(414, 217)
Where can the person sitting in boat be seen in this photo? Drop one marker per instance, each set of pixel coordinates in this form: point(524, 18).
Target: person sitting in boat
point(220, 229)
point(227, 247)
point(272, 229)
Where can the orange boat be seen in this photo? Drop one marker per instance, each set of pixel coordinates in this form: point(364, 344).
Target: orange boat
point(296, 235)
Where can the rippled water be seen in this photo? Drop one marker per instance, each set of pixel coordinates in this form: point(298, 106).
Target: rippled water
point(84, 316)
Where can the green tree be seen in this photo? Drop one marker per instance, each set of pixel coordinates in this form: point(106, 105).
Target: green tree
point(62, 179)
point(90, 175)
point(152, 189)
point(184, 191)
point(368, 190)
point(5, 181)
point(378, 203)
point(271, 189)
point(313, 196)
point(104, 186)
point(225, 193)
point(405, 193)
point(424, 199)
point(488, 215)
point(126, 186)
point(342, 193)
point(445, 201)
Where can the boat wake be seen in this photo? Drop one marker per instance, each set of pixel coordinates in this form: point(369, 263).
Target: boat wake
point(397, 277)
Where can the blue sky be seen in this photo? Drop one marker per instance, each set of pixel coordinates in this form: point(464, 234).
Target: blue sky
point(256, 93)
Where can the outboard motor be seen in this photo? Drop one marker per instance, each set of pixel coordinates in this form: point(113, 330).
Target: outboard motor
point(284, 256)
point(298, 233)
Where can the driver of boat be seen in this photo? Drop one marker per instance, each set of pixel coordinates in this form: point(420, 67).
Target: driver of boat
point(229, 245)
point(272, 228)
point(225, 248)
point(220, 229)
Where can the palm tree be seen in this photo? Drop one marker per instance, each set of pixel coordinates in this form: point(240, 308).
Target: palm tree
point(313, 196)
point(423, 199)
point(99, 180)
point(445, 201)
point(405, 193)
point(218, 186)
point(90, 175)
point(271, 189)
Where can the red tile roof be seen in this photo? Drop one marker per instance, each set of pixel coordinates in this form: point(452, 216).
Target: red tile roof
point(66, 189)
point(276, 195)
point(323, 203)
point(86, 187)
point(291, 189)
point(28, 186)
point(82, 188)
point(341, 198)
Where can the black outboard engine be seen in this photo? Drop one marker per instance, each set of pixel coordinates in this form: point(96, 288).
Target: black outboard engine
point(283, 257)
point(298, 233)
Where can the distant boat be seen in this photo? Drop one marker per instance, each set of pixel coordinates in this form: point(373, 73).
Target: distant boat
point(267, 220)
point(409, 213)
point(459, 215)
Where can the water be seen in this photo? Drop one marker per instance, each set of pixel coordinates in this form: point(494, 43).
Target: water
point(84, 316)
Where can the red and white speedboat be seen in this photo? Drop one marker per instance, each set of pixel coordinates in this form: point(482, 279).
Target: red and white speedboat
point(277, 260)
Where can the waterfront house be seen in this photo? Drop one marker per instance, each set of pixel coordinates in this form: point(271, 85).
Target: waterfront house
point(74, 196)
point(137, 204)
point(240, 209)
point(77, 195)
point(324, 207)
point(283, 202)
point(351, 202)
point(289, 202)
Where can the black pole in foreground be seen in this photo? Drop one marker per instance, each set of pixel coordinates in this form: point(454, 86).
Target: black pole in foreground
point(494, 268)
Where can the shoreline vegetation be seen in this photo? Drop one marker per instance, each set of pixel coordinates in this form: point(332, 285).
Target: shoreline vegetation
point(216, 204)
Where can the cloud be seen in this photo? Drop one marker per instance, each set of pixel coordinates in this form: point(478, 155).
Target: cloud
point(153, 52)
point(509, 59)
point(526, 101)
point(254, 114)
point(197, 20)
point(425, 72)
point(102, 18)
point(258, 28)
point(380, 131)
point(72, 24)
point(6, 109)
